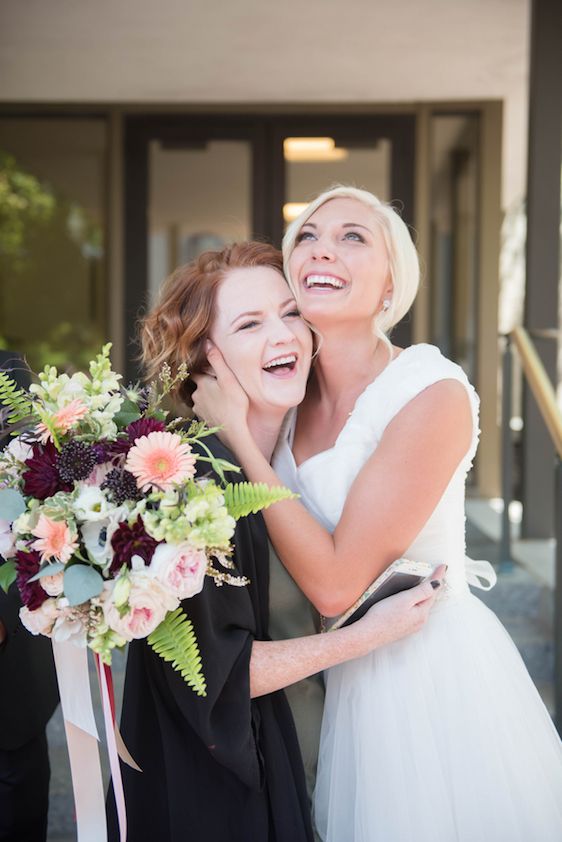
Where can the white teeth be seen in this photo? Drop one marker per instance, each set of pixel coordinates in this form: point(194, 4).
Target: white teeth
point(288, 360)
point(323, 280)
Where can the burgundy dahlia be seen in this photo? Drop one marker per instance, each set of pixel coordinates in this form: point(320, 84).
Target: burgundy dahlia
point(134, 431)
point(27, 565)
point(42, 479)
point(128, 541)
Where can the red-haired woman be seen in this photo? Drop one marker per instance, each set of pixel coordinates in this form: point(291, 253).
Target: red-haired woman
point(227, 767)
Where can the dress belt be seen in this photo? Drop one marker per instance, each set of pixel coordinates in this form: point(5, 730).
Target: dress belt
point(480, 574)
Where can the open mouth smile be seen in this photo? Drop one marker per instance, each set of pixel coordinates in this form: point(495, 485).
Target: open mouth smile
point(281, 366)
point(315, 281)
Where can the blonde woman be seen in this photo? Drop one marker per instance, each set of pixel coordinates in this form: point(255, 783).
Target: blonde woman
point(441, 737)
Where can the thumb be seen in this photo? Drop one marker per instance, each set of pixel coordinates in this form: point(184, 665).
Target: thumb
point(218, 365)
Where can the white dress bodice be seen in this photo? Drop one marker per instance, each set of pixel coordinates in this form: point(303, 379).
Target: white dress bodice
point(324, 480)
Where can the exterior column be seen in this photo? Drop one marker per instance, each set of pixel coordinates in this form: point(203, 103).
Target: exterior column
point(543, 253)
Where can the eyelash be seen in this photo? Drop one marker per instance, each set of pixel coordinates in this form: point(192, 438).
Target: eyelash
point(306, 235)
point(254, 322)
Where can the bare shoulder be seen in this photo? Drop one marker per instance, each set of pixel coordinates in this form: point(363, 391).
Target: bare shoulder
point(440, 411)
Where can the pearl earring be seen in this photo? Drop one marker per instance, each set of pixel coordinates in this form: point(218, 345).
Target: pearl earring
point(385, 305)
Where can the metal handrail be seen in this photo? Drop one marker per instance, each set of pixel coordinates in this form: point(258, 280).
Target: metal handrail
point(540, 384)
point(545, 397)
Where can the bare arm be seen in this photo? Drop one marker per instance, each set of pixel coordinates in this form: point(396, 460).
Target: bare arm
point(387, 506)
point(277, 664)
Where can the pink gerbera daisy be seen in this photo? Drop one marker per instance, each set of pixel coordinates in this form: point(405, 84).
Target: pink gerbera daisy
point(64, 419)
point(54, 539)
point(160, 460)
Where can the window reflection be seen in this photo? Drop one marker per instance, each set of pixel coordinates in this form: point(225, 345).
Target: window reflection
point(52, 269)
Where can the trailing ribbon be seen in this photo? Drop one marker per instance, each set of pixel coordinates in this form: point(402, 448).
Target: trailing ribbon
point(71, 664)
point(108, 706)
point(480, 574)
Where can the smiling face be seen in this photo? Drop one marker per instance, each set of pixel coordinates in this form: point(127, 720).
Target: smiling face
point(340, 264)
point(262, 337)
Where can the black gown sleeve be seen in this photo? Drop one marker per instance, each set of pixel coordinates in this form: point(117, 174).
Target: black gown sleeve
point(224, 720)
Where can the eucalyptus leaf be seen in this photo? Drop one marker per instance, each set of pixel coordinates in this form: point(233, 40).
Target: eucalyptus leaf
point(12, 504)
point(7, 575)
point(48, 570)
point(81, 583)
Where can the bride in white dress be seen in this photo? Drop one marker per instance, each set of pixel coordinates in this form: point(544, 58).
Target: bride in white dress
point(441, 737)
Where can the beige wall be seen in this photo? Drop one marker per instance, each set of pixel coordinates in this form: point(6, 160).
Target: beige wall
point(259, 52)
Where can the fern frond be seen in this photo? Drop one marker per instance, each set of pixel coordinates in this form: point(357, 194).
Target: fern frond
point(244, 498)
point(14, 399)
point(174, 640)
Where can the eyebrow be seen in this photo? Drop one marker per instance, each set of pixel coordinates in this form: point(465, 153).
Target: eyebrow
point(247, 313)
point(345, 225)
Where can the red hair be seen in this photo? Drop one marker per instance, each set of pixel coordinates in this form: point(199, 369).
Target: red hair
point(176, 329)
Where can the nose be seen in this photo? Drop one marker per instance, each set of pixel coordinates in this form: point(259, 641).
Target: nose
point(280, 333)
point(322, 250)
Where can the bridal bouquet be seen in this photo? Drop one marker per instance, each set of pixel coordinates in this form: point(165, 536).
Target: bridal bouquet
point(103, 523)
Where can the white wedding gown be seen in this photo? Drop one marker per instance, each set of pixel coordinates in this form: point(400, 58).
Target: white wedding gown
point(442, 736)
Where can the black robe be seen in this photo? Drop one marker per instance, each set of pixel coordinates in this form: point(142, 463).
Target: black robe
point(223, 768)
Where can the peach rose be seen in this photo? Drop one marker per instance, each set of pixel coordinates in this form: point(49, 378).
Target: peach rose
point(149, 602)
point(53, 585)
point(42, 620)
point(180, 567)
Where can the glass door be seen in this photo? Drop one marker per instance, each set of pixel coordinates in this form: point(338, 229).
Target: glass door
point(194, 182)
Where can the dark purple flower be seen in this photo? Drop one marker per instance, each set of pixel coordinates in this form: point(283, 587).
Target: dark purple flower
point(133, 431)
point(42, 479)
point(102, 451)
point(76, 461)
point(121, 485)
point(128, 541)
point(27, 565)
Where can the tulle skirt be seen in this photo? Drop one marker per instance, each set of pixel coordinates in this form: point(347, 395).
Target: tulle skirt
point(441, 737)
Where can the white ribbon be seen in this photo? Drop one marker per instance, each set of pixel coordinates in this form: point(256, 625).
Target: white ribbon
point(71, 664)
point(480, 574)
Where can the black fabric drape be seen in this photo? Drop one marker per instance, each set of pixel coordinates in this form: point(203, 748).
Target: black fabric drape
point(224, 768)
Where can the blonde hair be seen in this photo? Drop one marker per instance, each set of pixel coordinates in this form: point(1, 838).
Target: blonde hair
point(176, 329)
point(403, 258)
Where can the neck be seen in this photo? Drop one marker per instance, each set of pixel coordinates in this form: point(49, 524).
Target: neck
point(347, 362)
point(265, 429)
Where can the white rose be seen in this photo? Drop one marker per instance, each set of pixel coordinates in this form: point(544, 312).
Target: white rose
point(149, 602)
point(70, 627)
point(53, 585)
point(41, 620)
point(180, 567)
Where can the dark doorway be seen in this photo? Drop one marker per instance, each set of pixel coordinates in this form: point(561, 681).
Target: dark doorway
point(196, 181)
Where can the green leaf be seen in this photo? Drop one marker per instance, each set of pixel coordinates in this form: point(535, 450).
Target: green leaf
point(174, 640)
point(81, 583)
point(128, 413)
point(244, 498)
point(48, 570)
point(15, 399)
point(7, 575)
point(12, 504)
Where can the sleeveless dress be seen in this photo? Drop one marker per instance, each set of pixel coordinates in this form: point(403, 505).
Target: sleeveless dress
point(442, 736)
